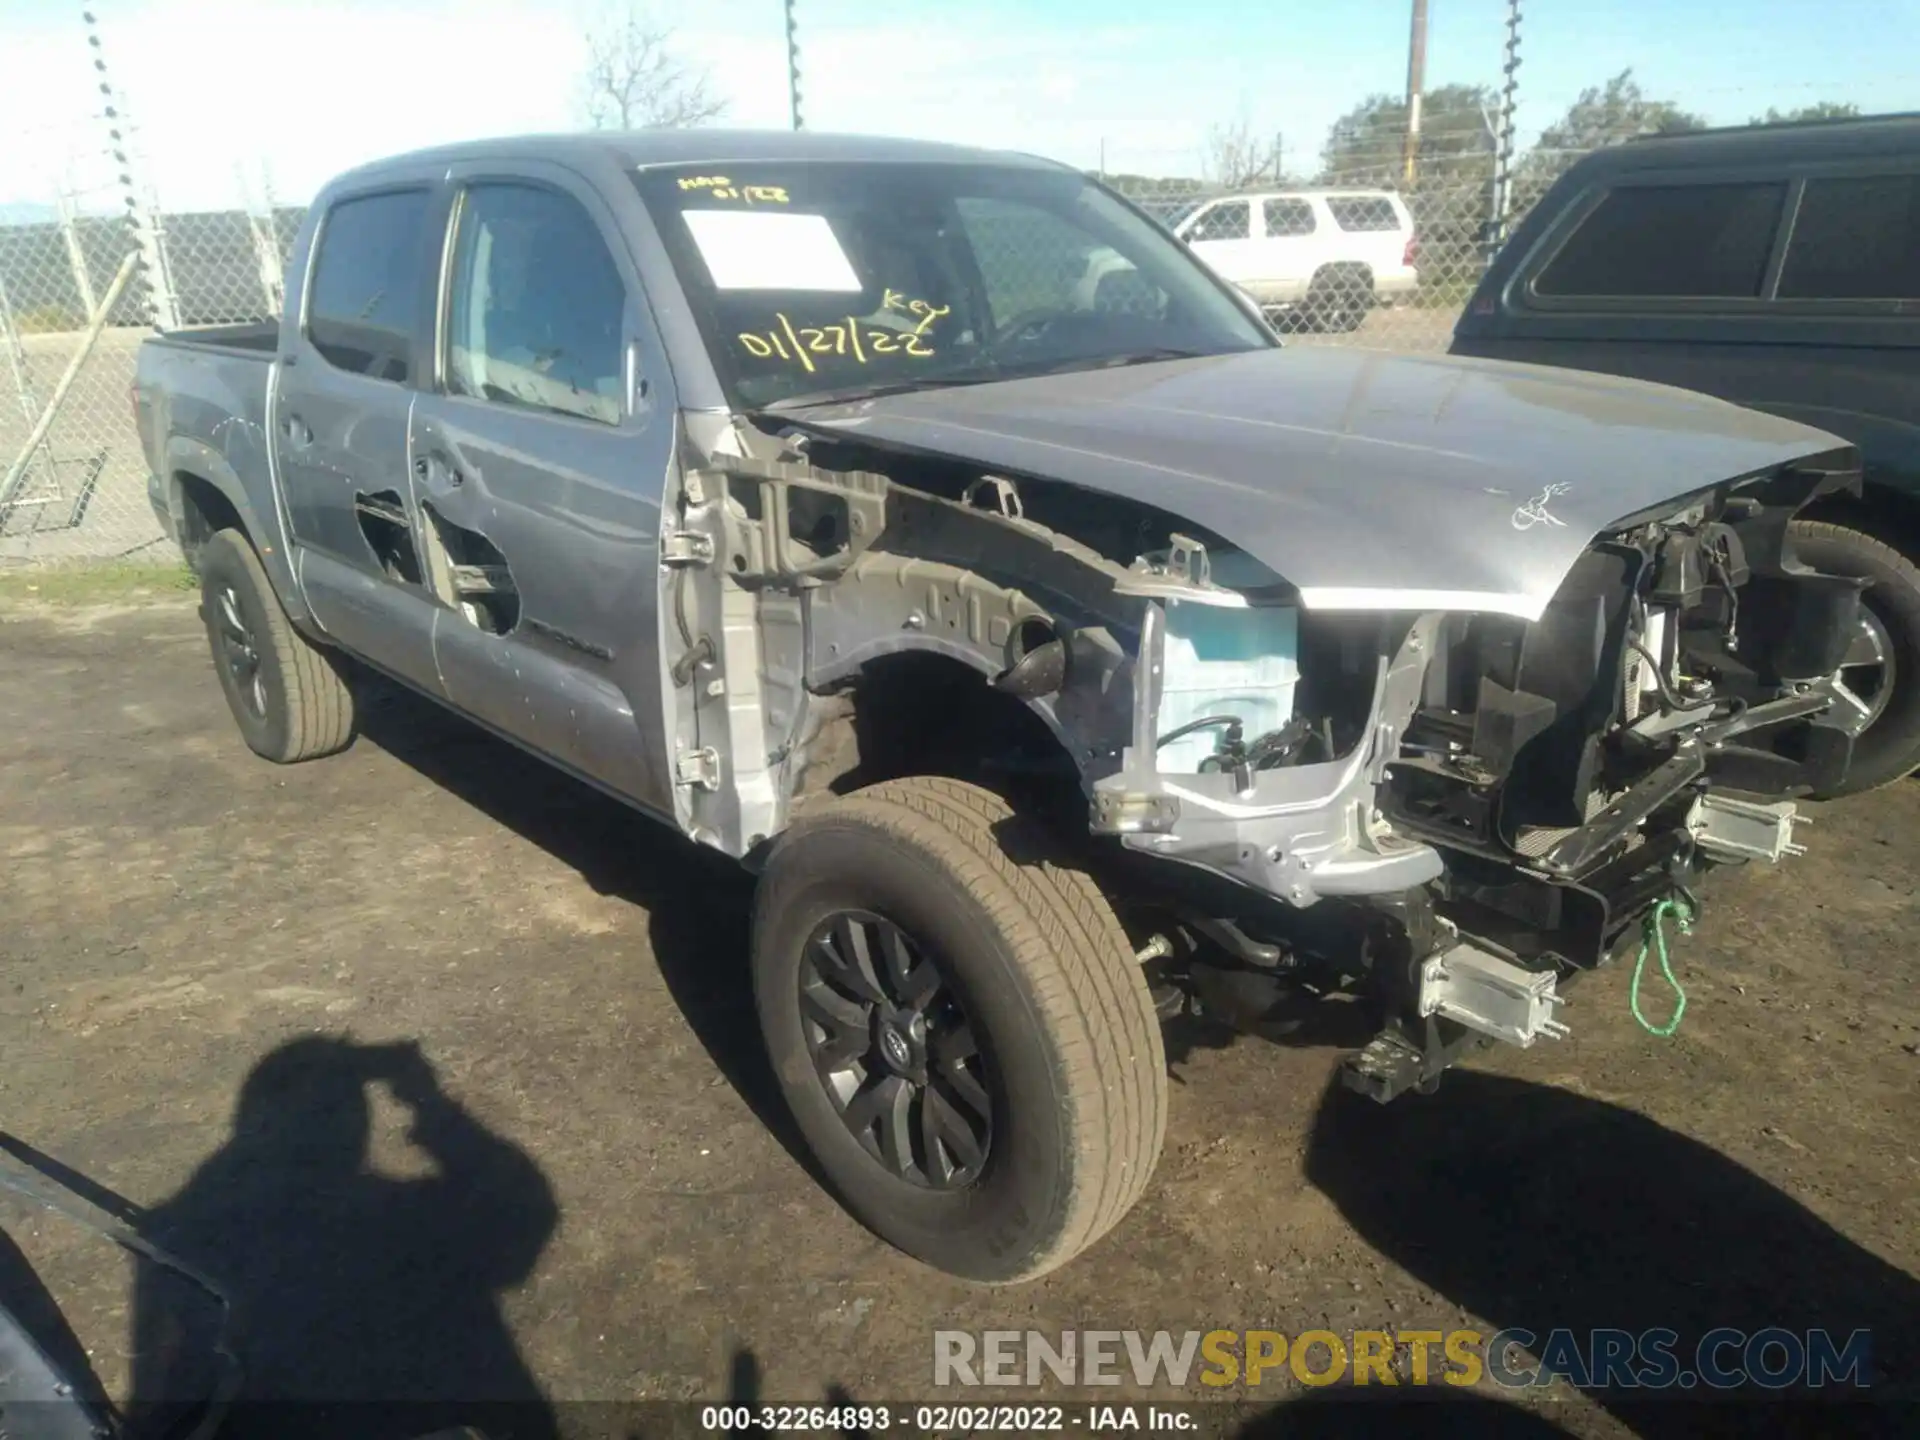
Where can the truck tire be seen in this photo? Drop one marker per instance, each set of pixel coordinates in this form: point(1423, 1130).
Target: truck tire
point(959, 1028)
point(1339, 298)
point(287, 695)
point(1883, 675)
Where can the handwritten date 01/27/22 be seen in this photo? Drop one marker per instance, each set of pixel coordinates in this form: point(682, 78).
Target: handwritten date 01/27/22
point(800, 343)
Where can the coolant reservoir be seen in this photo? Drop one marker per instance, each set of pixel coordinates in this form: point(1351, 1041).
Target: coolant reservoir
point(1225, 660)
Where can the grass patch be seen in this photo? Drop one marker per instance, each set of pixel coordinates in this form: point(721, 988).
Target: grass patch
point(107, 582)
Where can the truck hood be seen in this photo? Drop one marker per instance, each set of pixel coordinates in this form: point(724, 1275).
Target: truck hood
point(1365, 480)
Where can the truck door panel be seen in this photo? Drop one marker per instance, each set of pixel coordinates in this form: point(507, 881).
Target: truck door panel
point(340, 421)
point(540, 492)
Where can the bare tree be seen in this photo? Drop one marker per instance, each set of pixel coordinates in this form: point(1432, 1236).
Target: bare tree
point(1233, 157)
point(634, 80)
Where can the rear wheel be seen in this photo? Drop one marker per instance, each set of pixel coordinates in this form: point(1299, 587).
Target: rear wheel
point(287, 695)
point(959, 1028)
point(1339, 298)
point(1877, 688)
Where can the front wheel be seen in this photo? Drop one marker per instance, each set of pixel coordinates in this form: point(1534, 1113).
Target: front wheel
point(1877, 688)
point(959, 1028)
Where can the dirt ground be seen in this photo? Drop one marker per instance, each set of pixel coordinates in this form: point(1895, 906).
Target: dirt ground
point(587, 1191)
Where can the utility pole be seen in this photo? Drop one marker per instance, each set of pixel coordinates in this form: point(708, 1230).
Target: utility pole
point(793, 68)
point(1279, 154)
point(1416, 82)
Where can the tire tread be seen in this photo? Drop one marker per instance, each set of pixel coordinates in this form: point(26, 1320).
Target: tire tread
point(319, 702)
point(1079, 966)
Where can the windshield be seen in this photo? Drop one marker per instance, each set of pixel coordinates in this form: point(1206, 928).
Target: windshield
point(824, 280)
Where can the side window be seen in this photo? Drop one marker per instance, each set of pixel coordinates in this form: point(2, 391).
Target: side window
point(366, 283)
point(1288, 217)
point(1670, 241)
point(537, 305)
point(1225, 221)
point(1855, 239)
point(1363, 212)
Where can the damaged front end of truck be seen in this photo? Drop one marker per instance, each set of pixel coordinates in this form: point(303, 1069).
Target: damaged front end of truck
point(1347, 716)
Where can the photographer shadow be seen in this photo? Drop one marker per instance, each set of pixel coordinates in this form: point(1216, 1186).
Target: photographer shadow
point(363, 1304)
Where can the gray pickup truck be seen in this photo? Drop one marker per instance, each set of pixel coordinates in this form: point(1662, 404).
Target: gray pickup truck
point(929, 530)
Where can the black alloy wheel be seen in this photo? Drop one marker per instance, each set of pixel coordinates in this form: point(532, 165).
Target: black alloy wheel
point(895, 1052)
point(239, 652)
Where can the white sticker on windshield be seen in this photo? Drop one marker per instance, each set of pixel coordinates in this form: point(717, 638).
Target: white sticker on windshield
point(759, 250)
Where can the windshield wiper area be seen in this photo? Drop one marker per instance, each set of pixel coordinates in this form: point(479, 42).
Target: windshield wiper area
point(1126, 357)
point(874, 392)
point(988, 377)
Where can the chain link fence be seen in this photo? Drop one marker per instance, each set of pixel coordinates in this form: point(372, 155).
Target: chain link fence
point(1361, 253)
point(74, 484)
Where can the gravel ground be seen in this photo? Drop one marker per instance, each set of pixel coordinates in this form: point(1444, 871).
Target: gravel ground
point(445, 1066)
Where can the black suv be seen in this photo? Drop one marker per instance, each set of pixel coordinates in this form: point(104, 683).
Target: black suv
point(1778, 267)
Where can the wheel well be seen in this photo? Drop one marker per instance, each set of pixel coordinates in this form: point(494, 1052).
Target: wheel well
point(926, 714)
point(204, 511)
point(1888, 512)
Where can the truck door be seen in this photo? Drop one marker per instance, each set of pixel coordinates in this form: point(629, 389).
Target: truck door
point(339, 417)
point(540, 458)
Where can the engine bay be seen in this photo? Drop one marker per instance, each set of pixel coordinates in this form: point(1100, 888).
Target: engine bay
point(1444, 812)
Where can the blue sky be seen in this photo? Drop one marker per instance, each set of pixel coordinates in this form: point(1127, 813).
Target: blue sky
point(222, 88)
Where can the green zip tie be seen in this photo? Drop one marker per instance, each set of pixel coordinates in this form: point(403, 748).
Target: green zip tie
point(1657, 941)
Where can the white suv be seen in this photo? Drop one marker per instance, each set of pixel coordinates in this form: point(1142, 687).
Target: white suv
point(1324, 256)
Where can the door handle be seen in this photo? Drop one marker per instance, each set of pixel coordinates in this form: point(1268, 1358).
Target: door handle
point(438, 472)
point(299, 436)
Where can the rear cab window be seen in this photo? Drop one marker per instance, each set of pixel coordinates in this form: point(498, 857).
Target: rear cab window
point(1691, 241)
point(366, 287)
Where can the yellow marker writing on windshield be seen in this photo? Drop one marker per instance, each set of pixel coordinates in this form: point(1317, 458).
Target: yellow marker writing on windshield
point(800, 343)
point(894, 300)
point(721, 187)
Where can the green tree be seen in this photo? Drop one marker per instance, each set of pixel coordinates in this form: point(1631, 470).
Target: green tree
point(1368, 143)
point(1820, 110)
point(1452, 190)
point(1603, 115)
point(1618, 110)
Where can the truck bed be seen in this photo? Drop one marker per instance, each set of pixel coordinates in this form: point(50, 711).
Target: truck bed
point(255, 337)
point(201, 398)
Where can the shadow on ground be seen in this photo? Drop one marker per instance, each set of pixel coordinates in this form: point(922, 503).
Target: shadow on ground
point(697, 902)
point(363, 1304)
point(1545, 1210)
